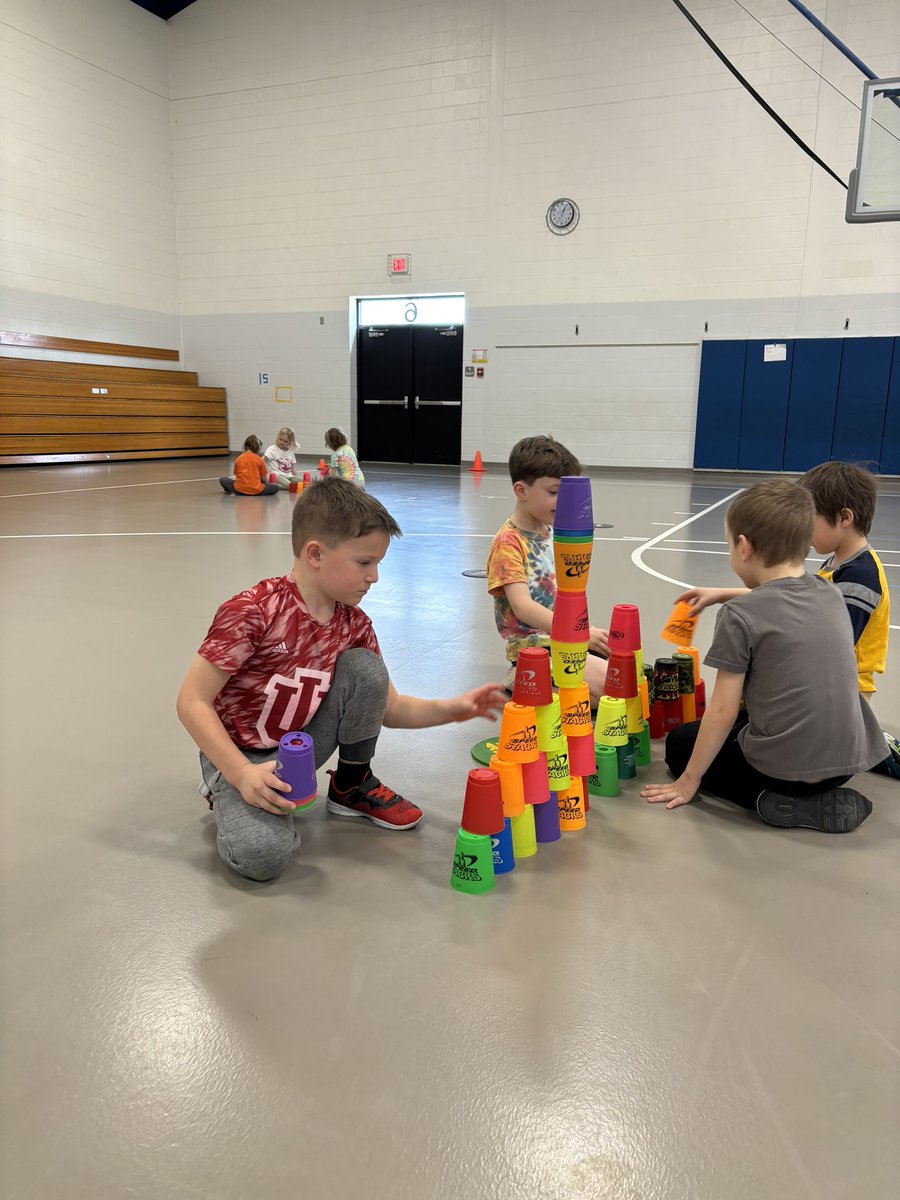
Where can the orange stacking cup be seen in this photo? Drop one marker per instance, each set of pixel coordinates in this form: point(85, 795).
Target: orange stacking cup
point(681, 625)
point(572, 563)
point(625, 628)
point(518, 734)
point(644, 693)
point(533, 684)
point(571, 808)
point(512, 789)
point(695, 655)
point(570, 618)
point(575, 711)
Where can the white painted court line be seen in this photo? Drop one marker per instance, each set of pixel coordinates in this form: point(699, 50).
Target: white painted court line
point(108, 487)
point(637, 555)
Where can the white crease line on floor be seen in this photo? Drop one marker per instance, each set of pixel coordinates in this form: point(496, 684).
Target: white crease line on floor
point(637, 555)
point(107, 487)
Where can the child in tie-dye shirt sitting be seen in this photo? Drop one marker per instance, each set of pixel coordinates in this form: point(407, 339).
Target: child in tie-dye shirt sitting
point(520, 572)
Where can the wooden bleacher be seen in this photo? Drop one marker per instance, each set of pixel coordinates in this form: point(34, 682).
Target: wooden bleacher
point(56, 412)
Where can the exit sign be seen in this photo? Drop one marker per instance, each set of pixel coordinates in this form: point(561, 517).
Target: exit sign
point(399, 264)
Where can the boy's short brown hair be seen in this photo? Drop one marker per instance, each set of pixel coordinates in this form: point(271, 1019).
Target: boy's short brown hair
point(541, 457)
point(335, 438)
point(776, 517)
point(835, 486)
point(253, 444)
point(334, 511)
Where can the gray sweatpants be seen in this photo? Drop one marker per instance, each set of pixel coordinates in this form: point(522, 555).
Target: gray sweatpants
point(259, 844)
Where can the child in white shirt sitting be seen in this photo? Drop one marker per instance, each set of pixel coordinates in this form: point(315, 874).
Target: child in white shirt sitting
point(281, 460)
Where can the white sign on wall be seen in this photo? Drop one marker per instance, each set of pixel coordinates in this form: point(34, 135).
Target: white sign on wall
point(412, 310)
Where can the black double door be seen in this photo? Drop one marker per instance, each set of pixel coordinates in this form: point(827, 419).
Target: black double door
point(409, 384)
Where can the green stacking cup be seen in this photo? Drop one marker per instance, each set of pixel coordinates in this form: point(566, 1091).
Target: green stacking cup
point(605, 780)
point(473, 864)
point(641, 743)
point(625, 761)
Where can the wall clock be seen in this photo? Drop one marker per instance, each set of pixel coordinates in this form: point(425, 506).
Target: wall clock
point(562, 216)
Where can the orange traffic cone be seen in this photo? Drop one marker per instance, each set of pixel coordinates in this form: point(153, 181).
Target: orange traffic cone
point(477, 465)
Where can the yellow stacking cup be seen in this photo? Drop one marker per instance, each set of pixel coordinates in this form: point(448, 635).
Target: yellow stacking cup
point(611, 728)
point(549, 723)
point(568, 660)
point(575, 711)
point(634, 714)
point(558, 769)
point(524, 839)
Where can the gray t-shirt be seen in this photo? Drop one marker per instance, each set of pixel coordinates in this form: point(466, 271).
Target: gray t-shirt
point(806, 718)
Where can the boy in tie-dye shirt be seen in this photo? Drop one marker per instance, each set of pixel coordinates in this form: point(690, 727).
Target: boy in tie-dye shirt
point(520, 571)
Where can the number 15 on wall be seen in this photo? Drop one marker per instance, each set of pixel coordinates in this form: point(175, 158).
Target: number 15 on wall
point(263, 377)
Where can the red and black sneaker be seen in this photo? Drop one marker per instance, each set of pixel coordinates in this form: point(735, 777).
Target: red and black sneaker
point(375, 801)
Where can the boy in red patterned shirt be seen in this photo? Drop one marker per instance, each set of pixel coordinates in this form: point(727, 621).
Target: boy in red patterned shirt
point(295, 652)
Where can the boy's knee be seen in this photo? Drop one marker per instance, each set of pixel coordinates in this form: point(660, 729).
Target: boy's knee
point(259, 863)
point(679, 746)
point(362, 668)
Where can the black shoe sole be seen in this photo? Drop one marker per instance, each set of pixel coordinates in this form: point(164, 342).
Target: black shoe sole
point(839, 810)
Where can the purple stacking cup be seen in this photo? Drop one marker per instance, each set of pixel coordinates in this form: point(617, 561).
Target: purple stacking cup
point(574, 507)
point(546, 820)
point(296, 765)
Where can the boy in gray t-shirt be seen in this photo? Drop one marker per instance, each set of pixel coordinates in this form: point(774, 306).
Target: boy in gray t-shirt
point(785, 648)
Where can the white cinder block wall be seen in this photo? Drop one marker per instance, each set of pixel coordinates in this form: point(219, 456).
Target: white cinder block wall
point(308, 141)
point(87, 212)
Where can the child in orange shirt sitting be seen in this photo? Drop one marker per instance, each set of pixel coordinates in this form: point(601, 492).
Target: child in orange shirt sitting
point(249, 477)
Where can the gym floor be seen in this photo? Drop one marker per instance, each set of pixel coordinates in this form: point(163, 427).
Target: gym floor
point(685, 1005)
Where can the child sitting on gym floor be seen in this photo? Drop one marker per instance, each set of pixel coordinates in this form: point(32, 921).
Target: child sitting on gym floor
point(296, 652)
point(249, 477)
point(520, 570)
point(281, 458)
point(344, 463)
point(785, 647)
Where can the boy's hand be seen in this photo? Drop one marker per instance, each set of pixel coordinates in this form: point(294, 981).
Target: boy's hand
point(261, 788)
point(485, 701)
point(673, 795)
point(700, 597)
point(598, 641)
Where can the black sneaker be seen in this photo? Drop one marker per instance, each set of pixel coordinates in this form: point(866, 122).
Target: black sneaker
point(839, 810)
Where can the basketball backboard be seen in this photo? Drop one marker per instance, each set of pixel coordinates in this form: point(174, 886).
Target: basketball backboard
point(873, 193)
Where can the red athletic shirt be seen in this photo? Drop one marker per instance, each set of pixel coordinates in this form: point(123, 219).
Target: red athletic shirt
point(280, 659)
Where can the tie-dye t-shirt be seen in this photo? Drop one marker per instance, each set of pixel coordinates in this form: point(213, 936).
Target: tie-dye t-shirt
point(344, 462)
point(519, 556)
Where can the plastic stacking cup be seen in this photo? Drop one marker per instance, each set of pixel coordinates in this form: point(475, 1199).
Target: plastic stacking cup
point(607, 776)
point(549, 728)
point(611, 728)
point(574, 506)
point(639, 661)
point(634, 715)
point(511, 787)
point(582, 758)
point(535, 780)
point(672, 713)
point(625, 761)
point(518, 733)
point(570, 618)
point(680, 626)
point(695, 655)
point(533, 684)
point(568, 659)
point(651, 687)
point(657, 721)
point(575, 711)
point(700, 697)
point(644, 693)
point(686, 684)
point(546, 820)
point(572, 563)
point(641, 745)
point(665, 679)
point(296, 764)
point(473, 864)
point(621, 675)
point(558, 770)
point(625, 628)
point(523, 836)
point(571, 809)
point(483, 806)
point(502, 847)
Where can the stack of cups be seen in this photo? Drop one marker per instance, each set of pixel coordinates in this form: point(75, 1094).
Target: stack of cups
point(666, 685)
point(482, 843)
point(626, 681)
point(296, 764)
point(698, 682)
point(686, 685)
point(613, 745)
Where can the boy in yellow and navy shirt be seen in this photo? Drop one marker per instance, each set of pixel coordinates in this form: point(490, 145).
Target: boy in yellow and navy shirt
point(844, 496)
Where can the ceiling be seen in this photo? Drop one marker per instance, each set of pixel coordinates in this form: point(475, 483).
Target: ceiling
point(163, 8)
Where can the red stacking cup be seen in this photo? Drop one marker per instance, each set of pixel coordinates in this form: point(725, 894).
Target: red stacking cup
point(570, 618)
point(582, 756)
point(700, 697)
point(483, 808)
point(273, 478)
point(535, 780)
point(625, 628)
point(657, 720)
point(621, 675)
point(533, 684)
point(673, 714)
